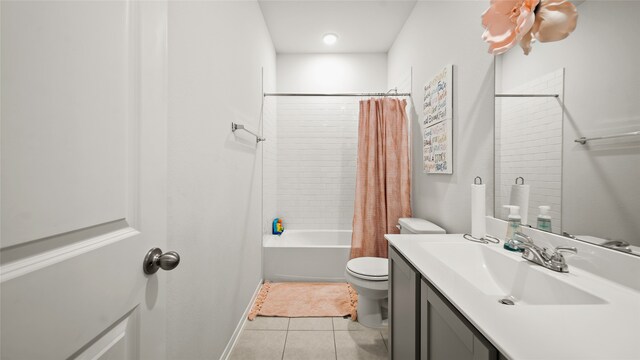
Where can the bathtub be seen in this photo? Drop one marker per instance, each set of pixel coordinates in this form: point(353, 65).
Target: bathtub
point(306, 255)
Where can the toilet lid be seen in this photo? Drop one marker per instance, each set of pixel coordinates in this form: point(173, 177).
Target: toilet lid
point(420, 226)
point(369, 268)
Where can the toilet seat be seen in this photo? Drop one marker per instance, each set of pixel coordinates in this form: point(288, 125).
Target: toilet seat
point(369, 268)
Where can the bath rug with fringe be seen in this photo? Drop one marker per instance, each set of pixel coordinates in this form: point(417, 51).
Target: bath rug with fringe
point(303, 299)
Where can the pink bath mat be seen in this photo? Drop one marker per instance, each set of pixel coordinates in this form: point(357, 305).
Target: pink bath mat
point(302, 299)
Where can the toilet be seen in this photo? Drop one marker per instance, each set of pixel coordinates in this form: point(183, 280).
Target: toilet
point(370, 276)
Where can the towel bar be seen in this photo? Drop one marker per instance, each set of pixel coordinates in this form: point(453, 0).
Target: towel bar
point(235, 127)
point(583, 140)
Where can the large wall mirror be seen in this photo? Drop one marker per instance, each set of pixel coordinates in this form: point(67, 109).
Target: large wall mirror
point(568, 125)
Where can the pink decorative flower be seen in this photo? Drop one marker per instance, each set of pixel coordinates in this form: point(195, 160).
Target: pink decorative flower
point(506, 22)
point(555, 20)
point(545, 20)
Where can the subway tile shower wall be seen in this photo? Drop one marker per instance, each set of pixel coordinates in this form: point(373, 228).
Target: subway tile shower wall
point(315, 159)
point(529, 141)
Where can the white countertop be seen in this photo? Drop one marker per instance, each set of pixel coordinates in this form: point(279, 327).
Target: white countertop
point(600, 331)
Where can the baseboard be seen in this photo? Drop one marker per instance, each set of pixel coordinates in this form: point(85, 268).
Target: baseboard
point(234, 338)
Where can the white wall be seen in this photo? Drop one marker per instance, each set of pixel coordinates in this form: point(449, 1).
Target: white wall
point(216, 51)
point(332, 73)
point(428, 42)
point(269, 164)
point(600, 195)
point(310, 167)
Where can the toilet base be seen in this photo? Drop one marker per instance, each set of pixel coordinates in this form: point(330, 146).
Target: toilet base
point(372, 313)
point(372, 301)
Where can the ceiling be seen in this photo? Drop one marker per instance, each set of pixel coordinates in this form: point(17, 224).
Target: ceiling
point(362, 26)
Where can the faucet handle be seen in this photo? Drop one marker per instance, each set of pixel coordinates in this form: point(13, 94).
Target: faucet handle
point(557, 257)
point(522, 238)
point(522, 241)
point(525, 242)
point(556, 260)
point(566, 249)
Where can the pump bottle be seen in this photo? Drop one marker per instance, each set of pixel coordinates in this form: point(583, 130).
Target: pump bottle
point(513, 226)
point(544, 220)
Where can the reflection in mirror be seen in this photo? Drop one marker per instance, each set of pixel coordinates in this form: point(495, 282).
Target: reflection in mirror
point(586, 86)
point(529, 146)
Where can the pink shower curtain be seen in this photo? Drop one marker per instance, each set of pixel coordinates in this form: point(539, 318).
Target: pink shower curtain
point(383, 179)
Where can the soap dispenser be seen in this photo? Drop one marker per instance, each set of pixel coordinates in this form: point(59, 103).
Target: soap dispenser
point(513, 226)
point(544, 220)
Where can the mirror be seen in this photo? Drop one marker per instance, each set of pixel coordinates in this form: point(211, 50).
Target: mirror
point(568, 123)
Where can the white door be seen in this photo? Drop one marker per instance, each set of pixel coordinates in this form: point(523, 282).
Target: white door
point(83, 179)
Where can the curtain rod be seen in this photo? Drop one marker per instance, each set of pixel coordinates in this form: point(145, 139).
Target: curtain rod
point(527, 95)
point(337, 94)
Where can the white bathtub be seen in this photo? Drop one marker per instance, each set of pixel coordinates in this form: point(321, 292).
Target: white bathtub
point(307, 255)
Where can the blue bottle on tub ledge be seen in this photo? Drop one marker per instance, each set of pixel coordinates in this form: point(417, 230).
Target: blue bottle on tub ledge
point(277, 227)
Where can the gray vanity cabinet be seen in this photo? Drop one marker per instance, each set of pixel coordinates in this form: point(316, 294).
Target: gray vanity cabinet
point(424, 325)
point(445, 334)
point(404, 308)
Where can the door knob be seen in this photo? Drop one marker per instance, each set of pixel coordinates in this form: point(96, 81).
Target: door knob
point(155, 259)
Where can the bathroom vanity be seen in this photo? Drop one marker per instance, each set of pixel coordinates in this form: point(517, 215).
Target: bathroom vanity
point(445, 303)
point(424, 324)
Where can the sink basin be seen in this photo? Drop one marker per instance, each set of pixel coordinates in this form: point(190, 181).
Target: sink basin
point(496, 273)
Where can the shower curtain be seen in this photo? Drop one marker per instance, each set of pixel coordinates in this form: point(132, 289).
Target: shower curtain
point(383, 178)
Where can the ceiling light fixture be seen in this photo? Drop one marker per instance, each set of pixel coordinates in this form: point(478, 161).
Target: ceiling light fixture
point(330, 39)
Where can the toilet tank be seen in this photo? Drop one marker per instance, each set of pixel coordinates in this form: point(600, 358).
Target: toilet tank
point(418, 226)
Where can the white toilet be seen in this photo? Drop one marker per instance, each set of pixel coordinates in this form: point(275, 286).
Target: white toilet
point(369, 276)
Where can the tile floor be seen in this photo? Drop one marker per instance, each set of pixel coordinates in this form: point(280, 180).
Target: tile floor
point(268, 338)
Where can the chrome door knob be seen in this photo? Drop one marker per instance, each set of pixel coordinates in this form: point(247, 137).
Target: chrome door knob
point(155, 260)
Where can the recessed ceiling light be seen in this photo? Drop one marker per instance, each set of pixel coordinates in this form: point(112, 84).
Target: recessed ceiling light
point(330, 39)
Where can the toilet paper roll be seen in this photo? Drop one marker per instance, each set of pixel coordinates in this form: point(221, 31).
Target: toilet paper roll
point(478, 211)
point(520, 196)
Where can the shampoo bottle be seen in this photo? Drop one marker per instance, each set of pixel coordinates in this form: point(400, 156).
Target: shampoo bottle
point(276, 227)
point(513, 226)
point(544, 220)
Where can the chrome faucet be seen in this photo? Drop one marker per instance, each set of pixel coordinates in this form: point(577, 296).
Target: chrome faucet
point(541, 256)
